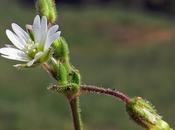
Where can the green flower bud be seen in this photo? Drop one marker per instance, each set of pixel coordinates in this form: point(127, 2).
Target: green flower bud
point(55, 68)
point(47, 8)
point(61, 48)
point(63, 75)
point(76, 78)
point(144, 113)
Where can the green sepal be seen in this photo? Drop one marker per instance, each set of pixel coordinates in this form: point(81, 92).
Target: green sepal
point(46, 56)
point(47, 8)
point(61, 48)
point(145, 114)
point(54, 64)
point(76, 78)
point(63, 75)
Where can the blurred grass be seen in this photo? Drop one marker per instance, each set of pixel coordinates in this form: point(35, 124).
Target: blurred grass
point(97, 50)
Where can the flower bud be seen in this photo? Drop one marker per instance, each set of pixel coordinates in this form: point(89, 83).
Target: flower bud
point(76, 78)
point(63, 75)
point(47, 8)
point(61, 48)
point(144, 113)
point(54, 65)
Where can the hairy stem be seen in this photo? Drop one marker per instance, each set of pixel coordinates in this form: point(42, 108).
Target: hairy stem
point(75, 108)
point(105, 91)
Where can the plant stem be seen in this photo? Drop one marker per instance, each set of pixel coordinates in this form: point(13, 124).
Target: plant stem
point(47, 69)
point(75, 108)
point(105, 91)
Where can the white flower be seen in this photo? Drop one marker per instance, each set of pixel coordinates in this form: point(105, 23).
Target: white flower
point(33, 46)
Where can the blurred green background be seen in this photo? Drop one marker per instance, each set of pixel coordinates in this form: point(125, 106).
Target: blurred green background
point(127, 49)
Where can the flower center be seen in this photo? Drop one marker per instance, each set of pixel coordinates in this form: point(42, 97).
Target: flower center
point(31, 49)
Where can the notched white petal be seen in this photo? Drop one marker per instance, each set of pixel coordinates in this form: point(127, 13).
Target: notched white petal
point(36, 22)
point(43, 30)
point(11, 52)
point(14, 39)
point(53, 29)
point(20, 32)
point(51, 39)
point(44, 23)
point(36, 28)
point(15, 58)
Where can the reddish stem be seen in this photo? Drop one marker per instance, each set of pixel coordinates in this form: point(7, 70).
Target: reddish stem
point(49, 70)
point(105, 91)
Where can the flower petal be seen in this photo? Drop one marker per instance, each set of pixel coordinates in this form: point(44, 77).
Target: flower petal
point(44, 23)
point(15, 58)
point(15, 40)
point(51, 39)
point(36, 22)
point(20, 32)
point(9, 46)
point(12, 52)
point(37, 57)
point(36, 28)
point(53, 29)
point(43, 30)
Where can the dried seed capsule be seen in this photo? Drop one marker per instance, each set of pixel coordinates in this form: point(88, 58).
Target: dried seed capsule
point(144, 114)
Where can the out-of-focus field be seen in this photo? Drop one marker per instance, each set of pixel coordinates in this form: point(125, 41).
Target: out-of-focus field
point(124, 49)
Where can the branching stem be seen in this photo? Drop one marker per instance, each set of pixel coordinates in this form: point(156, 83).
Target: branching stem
point(105, 91)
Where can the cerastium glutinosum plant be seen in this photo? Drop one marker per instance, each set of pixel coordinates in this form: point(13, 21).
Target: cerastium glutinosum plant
point(41, 44)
